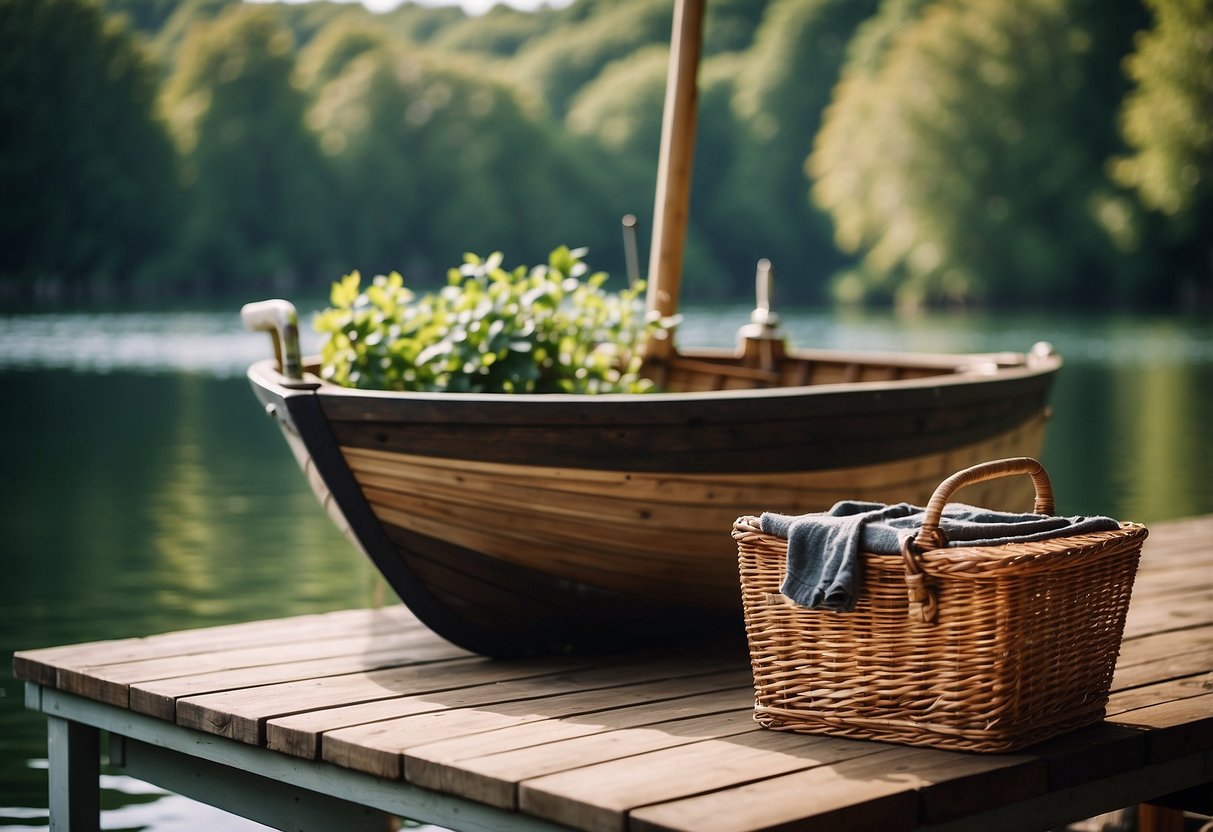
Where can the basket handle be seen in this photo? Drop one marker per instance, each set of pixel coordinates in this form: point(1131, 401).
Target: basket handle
point(923, 604)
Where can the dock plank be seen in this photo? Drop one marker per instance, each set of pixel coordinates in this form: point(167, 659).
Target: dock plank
point(1173, 611)
point(111, 682)
point(158, 697)
point(599, 796)
point(1175, 728)
point(511, 755)
point(1171, 690)
point(890, 790)
point(301, 734)
point(1192, 576)
point(1158, 659)
point(1148, 647)
point(240, 714)
point(376, 747)
point(42, 665)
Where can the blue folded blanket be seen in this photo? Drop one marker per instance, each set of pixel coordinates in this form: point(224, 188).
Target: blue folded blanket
point(824, 547)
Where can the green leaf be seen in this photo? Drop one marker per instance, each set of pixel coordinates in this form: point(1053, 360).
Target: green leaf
point(345, 291)
point(551, 328)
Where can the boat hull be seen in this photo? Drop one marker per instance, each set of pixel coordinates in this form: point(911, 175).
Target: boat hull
point(517, 524)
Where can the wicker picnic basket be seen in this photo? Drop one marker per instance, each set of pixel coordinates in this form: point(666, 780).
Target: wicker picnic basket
point(990, 648)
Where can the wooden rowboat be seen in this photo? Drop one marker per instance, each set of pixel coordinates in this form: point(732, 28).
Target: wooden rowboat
point(522, 523)
point(514, 523)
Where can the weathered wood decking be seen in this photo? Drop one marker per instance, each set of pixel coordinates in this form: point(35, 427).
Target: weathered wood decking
point(659, 741)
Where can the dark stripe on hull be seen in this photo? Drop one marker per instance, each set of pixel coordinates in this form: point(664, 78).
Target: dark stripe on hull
point(758, 434)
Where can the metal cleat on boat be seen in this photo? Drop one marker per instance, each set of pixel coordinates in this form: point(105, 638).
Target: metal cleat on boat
point(760, 341)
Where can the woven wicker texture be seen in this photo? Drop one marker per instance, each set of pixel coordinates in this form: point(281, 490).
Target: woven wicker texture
point(1020, 646)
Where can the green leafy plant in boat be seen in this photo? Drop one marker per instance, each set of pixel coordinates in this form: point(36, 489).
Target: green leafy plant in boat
point(548, 329)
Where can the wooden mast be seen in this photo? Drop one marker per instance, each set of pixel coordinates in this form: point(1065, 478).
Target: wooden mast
point(671, 204)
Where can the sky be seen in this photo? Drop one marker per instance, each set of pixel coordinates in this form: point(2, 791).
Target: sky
point(469, 6)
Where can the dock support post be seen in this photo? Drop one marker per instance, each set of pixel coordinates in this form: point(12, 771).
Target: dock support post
point(74, 753)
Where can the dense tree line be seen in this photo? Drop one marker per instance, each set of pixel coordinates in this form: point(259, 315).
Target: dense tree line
point(905, 151)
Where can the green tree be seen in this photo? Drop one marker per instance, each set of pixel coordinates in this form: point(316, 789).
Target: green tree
point(1168, 123)
point(730, 25)
point(500, 173)
point(421, 22)
point(183, 15)
point(781, 91)
point(336, 46)
point(260, 193)
point(360, 114)
point(85, 167)
point(842, 179)
point(621, 110)
point(870, 44)
point(502, 31)
point(558, 64)
point(619, 114)
point(144, 15)
point(716, 262)
point(434, 158)
point(306, 20)
point(970, 165)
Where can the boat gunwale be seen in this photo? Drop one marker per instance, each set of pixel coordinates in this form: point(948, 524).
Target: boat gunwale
point(975, 369)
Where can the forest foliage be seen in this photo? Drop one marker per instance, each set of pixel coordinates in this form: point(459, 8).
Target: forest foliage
point(895, 151)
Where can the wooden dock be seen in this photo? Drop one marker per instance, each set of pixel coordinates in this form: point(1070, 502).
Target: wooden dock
point(332, 721)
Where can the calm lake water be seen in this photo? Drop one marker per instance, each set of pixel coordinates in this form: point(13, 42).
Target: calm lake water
point(143, 490)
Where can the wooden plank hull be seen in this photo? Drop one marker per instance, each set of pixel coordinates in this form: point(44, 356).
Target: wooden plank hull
point(514, 524)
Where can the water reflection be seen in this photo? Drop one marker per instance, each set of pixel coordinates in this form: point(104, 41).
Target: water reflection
point(1165, 465)
point(201, 342)
point(135, 504)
